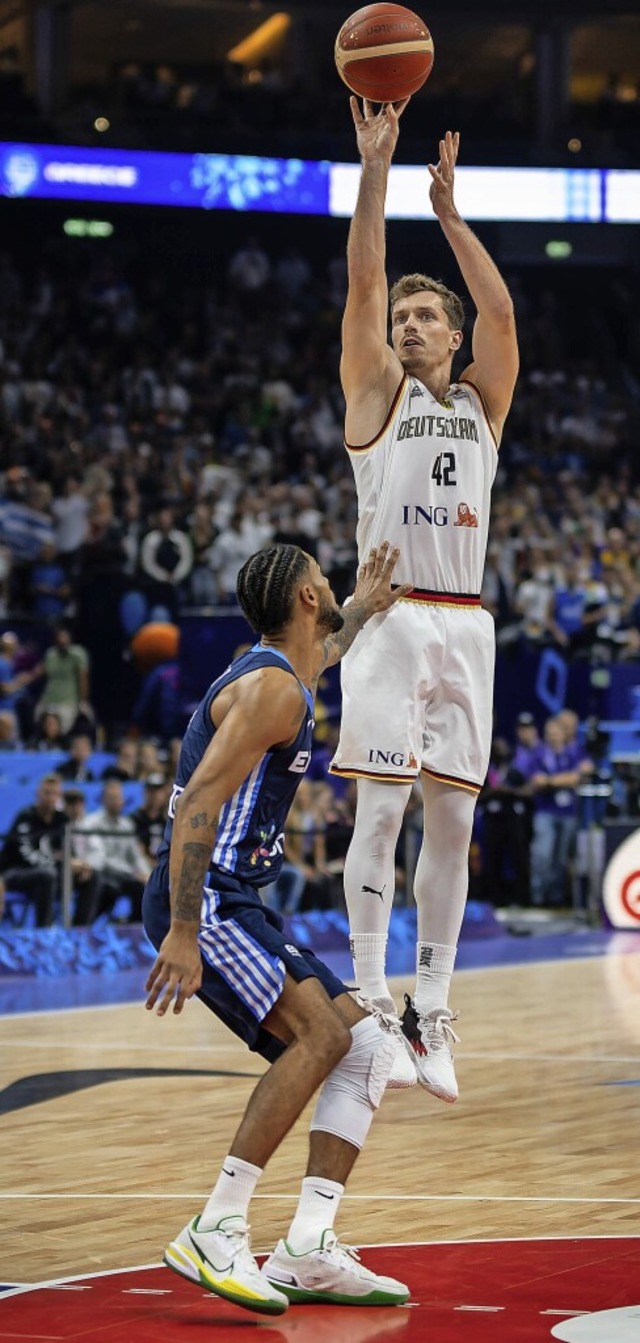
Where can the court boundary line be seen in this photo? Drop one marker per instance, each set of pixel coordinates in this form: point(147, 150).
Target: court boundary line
point(355, 1198)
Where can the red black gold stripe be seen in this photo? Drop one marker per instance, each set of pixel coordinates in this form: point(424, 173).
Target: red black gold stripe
point(354, 772)
point(468, 786)
point(430, 598)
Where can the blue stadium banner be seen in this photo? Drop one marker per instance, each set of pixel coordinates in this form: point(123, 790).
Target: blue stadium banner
point(303, 186)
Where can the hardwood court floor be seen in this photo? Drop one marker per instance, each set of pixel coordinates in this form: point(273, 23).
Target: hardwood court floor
point(115, 1124)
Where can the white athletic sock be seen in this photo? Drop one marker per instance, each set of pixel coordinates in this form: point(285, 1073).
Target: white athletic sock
point(231, 1196)
point(434, 968)
point(315, 1213)
point(369, 952)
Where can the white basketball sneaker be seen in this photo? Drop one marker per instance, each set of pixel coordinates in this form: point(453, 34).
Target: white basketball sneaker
point(331, 1273)
point(403, 1072)
point(430, 1037)
point(221, 1260)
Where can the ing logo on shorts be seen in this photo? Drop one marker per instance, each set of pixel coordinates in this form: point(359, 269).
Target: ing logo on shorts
point(396, 758)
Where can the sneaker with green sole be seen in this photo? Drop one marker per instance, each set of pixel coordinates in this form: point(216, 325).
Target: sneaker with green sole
point(332, 1274)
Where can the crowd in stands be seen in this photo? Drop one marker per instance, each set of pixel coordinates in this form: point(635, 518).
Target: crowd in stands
point(277, 108)
point(113, 808)
point(157, 433)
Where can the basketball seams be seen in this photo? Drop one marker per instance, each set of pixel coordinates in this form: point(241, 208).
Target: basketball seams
point(414, 47)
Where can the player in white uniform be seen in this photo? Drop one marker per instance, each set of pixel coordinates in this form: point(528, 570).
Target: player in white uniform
point(417, 683)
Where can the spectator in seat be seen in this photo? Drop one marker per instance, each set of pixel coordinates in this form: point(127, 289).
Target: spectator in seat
point(32, 851)
point(125, 866)
point(75, 769)
point(125, 765)
point(87, 860)
point(149, 819)
point(148, 761)
point(48, 735)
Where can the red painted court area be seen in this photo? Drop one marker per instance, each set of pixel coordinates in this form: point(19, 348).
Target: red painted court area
point(474, 1292)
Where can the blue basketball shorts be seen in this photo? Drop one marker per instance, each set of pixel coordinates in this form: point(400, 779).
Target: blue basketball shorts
point(245, 955)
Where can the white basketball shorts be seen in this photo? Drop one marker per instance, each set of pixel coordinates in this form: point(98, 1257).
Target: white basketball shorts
point(417, 694)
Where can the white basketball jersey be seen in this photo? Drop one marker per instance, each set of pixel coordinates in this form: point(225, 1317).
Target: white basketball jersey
point(424, 485)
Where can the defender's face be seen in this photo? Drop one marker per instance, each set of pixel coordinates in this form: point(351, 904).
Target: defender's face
point(330, 617)
point(420, 330)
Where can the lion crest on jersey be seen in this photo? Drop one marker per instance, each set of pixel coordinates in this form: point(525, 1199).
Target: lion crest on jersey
point(467, 517)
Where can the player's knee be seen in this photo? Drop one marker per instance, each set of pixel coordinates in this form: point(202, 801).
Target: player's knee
point(381, 808)
point(452, 818)
point(331, 1039)
point(355, 1086)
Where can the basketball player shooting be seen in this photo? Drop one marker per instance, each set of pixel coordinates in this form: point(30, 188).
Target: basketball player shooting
point(418, 686)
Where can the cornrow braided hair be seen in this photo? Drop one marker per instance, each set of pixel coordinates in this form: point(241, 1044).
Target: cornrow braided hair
point(266, 584)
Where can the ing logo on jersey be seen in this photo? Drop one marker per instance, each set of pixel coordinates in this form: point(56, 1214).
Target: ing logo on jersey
point(467, 517)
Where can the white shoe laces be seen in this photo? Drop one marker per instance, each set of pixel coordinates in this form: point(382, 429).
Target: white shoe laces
point(387, 1021)
point(437, 1026)
point(341, 1252)
point(239, 1239)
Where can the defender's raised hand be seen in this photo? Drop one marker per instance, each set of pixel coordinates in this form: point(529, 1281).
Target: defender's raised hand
point(373, 595)
point(373, 588)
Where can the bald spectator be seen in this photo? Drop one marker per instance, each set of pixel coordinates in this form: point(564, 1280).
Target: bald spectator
point(87, 860)
point(125, 867)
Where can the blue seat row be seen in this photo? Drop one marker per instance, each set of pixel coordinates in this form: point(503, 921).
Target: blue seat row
point(13, 797)
point(29, 766)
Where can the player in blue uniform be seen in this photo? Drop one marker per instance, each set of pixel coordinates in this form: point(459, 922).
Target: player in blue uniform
point(245, 750)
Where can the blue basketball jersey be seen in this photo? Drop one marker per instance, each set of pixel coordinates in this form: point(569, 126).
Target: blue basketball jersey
point(250, 839)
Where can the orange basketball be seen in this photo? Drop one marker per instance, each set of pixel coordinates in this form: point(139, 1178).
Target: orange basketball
point(384, 53)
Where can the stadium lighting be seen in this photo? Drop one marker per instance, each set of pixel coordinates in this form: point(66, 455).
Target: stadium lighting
point(259, 43)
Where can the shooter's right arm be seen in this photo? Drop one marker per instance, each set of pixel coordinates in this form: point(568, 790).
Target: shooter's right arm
point(369, 370)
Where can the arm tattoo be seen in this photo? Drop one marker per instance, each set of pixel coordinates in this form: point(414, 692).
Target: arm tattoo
point(187, 899)
point(201, 819)
point(336, 645)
